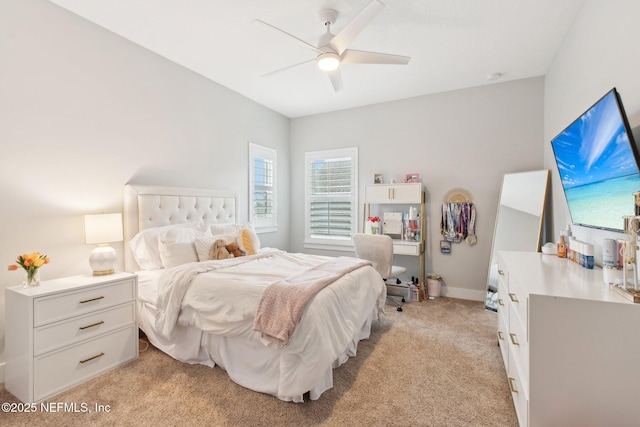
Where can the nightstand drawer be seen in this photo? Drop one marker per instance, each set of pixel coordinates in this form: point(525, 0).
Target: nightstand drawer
point(70, 304)
point(60, 334)
point(60, 370)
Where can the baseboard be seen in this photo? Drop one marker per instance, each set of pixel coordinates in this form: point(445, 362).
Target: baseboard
point(2, 372)
point(462, 293)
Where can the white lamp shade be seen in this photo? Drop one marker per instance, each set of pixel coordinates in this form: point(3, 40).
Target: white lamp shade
point(103, 228)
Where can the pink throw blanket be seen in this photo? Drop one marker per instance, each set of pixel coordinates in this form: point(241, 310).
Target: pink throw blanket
point(283, 301)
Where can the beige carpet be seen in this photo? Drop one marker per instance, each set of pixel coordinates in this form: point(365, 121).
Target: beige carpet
point(435, 364)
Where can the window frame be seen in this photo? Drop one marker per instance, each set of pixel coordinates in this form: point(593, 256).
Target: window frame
point(262, 225)
point(331, 243)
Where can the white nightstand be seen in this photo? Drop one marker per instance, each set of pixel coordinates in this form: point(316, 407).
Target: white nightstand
point(66, 331)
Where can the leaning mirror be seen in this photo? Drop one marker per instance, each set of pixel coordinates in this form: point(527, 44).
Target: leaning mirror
point(518, 222)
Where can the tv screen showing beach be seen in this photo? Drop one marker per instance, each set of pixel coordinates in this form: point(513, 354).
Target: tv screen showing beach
point(597, 163)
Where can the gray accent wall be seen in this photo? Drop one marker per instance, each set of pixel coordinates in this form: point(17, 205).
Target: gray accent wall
point(84, 112)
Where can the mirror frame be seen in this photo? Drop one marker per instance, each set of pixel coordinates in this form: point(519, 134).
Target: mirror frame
point(536, 199)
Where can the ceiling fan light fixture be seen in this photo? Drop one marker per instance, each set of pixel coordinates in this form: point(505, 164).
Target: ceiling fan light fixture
point(328, 61)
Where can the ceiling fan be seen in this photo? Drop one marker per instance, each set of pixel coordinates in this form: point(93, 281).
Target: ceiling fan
point(332, 49)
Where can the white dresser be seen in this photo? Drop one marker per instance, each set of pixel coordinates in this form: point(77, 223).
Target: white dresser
point(66, 331)
point(570, 346)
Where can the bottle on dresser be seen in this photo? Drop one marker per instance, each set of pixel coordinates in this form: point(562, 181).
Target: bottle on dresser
point(562, 248)
point(568, 235)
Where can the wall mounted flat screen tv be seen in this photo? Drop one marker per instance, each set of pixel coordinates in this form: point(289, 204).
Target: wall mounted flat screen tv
point(598, 160)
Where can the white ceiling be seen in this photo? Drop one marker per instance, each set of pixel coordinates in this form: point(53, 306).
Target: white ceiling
point(453, 44)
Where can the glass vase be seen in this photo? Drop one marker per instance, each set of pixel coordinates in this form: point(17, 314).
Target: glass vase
point(31, 278)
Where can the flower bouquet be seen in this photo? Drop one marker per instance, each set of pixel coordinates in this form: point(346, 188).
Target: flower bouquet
point(374, 223)
point(31, 264)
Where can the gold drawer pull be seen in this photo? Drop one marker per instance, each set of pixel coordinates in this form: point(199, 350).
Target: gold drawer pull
point(500, 302)
point(92, 325)
point(512, 385)
point(91, 358)
point(89, 300)
point(513, 297)
point(514, 339)
point(500, 272)
point(500, 336)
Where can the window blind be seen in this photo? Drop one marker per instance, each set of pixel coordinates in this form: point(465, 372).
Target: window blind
point(263, 188)
point(263, 200)
point(331, 198)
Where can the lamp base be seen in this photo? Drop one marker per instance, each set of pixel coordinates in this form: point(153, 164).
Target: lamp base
point(104, 273)
point(103, 260)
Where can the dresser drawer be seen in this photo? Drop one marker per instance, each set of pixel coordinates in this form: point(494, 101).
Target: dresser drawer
point(503, 294)
point(520, 347)
point(519, 390)
point(70, 304)
point(60, 334)
point(503, 336)
point(518, 301)
point(59, 370)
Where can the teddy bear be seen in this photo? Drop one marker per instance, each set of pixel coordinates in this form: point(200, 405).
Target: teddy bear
point(219, 251)
point(234, 250)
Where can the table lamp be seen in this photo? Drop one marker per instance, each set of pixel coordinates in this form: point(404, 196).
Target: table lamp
point(100, 230)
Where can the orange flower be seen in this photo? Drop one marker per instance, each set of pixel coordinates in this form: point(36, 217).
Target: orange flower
point(30, 262)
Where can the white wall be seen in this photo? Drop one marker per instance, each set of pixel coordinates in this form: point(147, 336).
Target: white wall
point(468, 138)
point(600, 52)
point(83, 112)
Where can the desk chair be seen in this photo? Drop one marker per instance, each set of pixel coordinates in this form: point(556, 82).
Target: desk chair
point(378, 248)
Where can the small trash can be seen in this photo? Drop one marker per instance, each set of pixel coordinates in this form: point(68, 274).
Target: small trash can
point(434, 284)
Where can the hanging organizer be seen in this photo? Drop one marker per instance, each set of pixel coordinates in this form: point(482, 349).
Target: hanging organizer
point(458, 217)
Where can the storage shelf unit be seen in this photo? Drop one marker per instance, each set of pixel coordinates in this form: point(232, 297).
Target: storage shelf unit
point(400, 194)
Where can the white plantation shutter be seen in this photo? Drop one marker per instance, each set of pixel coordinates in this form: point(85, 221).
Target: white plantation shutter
point(262, 191)
point(331, 185)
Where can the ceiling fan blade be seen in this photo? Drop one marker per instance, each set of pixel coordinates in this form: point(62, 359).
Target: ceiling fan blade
point(287, 67)
point(351, 56)
point(299, 41)
point(343, 39)
point(336, 79)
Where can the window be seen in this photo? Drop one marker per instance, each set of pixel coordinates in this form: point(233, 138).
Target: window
point(262, 188)
point(331, 198)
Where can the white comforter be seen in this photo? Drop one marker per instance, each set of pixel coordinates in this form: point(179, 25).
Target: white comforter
point(222, 297)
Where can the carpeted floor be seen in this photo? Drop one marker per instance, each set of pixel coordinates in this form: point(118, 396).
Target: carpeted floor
point(434, 364)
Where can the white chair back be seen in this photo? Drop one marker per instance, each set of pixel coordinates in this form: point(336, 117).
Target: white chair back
point(377, 248)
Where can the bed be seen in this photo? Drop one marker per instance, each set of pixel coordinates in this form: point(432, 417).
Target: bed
point(219, 312)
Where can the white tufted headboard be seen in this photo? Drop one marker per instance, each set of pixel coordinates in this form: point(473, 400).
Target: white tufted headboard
point(154, 206)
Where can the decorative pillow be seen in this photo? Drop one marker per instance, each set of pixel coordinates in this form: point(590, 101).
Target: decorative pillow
point(204, 243)
point(177, 253)
point(247, 240)
point(144, 245)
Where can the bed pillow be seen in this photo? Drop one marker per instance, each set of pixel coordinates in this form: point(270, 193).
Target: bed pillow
point(177, 253)
point(203, 244)
point(226, 228)
point(144, 245)
point(247, 240)
point(177, 245)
